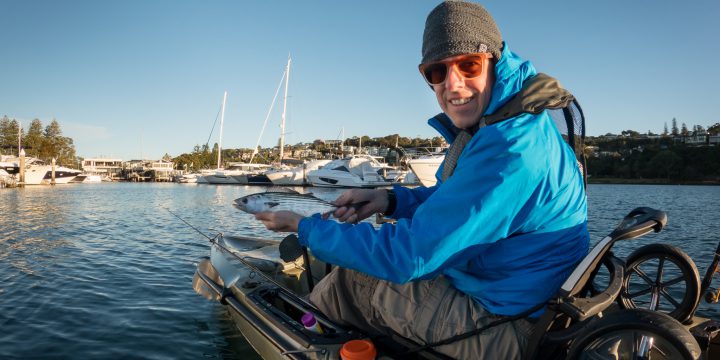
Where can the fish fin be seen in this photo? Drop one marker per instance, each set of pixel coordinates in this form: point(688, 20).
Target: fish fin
point(272, 204)
point(280, 189)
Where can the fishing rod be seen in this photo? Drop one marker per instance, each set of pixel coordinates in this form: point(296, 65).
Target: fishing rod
point(253, 268)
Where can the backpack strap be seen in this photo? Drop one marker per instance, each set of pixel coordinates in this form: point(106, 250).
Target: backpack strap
point(537, 94)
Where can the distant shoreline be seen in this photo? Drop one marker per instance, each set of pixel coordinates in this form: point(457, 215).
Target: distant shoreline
point(650, 181)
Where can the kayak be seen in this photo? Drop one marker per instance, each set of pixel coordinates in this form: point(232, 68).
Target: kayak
point(263, 283)
point(264, 296)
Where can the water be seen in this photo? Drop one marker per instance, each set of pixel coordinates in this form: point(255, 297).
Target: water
point(104, 271)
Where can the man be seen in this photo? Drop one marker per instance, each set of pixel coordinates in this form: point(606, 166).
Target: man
point(498, 234)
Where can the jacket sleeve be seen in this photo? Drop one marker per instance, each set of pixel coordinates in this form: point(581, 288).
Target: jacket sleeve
point(498, 188)
point(409, 199)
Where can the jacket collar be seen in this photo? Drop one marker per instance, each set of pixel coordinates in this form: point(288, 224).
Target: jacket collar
point(511, 71)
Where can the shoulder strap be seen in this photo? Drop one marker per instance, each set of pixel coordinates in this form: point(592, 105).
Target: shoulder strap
point(537, 94)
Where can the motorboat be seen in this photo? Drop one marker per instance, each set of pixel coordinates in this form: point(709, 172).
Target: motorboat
point(223, 176)
point(251, 174)
point(40, 174)
point(362, 171)
point(10, 164)
point(264, 283)
point(295, 176)
point(196, 177)
point(190, 178)
point(93, 178)
point(425, 167)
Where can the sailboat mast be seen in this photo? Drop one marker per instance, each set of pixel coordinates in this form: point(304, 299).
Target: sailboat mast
point(282, 123)
point(222, 119)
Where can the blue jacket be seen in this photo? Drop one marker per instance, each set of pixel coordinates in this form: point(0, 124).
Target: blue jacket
point(507, 227)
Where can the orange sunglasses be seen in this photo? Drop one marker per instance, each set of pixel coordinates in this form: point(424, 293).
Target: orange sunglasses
point(470, 66)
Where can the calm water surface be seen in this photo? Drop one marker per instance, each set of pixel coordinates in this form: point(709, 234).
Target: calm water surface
point(105, 271)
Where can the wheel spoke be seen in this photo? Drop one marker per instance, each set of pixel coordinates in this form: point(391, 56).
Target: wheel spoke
point(677, 280)
point(640, 292)
point(643, 276)
point(661, 266)
point(669, 297)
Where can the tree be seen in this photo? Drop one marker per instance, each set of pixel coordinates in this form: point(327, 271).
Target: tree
point(57, 146)
point(630, 133)
point(665, 130)
point(666, 163)
point(9, 132)
point(33, 141)
point(675, 131)
point(714, 129)
point(684, 130)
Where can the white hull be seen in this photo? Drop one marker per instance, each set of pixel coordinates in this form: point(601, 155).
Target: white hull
point(221, 178)
point(93, 178)
point(296, 176)
point(425, 168)
point(42, 175)
point(339, 178)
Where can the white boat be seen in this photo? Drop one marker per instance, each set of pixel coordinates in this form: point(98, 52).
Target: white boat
point(39, 174)
point(295, 176)
point(92, 178)
point(425, 167)
point(221, 175)
point(199, 177)
point(251, 174)
point(188, 178)
point(10, 165)
point(353, 171)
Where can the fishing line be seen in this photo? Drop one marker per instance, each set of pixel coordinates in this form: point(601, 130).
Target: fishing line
point(253, 268)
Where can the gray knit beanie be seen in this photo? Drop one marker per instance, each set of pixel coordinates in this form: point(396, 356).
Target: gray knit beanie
point(459, 27)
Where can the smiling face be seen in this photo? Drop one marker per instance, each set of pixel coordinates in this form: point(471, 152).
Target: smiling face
point(465, 100)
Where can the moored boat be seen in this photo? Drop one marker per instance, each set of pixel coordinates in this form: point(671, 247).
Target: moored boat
point(295, 176)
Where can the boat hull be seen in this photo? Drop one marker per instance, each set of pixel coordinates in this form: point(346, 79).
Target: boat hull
point(268, 314)
point(426, 168)
point(42, 175)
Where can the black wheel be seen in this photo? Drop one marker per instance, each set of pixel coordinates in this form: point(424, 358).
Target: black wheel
point(662, 278)
point(635, 334)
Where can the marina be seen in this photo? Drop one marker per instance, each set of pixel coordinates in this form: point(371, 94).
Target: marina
point(104, 270)
point(146, 150)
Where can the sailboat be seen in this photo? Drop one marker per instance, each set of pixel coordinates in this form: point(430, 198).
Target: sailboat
point(222, 175)
point(278, 171)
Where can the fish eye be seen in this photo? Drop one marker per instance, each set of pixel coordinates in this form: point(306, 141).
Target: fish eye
point(244, 201)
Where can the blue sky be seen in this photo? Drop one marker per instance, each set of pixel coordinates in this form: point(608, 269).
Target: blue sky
point(135, 78)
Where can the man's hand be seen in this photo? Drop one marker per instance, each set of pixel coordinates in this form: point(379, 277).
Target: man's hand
point(376, 202)
point(283, 221)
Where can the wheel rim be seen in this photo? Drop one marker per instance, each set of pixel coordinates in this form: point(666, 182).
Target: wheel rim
point(630, 344)
point(656, 283)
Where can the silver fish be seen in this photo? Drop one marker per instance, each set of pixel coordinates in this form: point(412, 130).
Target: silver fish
point(303, 204)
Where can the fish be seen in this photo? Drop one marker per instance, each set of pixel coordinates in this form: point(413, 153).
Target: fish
point(274, 200)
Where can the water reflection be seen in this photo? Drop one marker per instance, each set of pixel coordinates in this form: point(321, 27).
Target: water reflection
point(105, 271)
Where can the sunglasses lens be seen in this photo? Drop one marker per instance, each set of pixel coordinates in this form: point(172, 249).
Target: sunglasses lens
point(470, 67)
point(435, 73)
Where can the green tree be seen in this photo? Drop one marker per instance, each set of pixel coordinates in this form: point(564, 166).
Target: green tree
point(33, 141)
point(684, 130)
point(675, 131)
point(57, 146)
point(667, 164)
point(9, 132)
point(714, 129)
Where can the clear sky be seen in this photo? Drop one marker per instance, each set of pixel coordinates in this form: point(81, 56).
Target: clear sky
point(141, 78)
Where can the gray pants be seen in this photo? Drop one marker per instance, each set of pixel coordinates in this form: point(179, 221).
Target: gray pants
point(422, 311)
